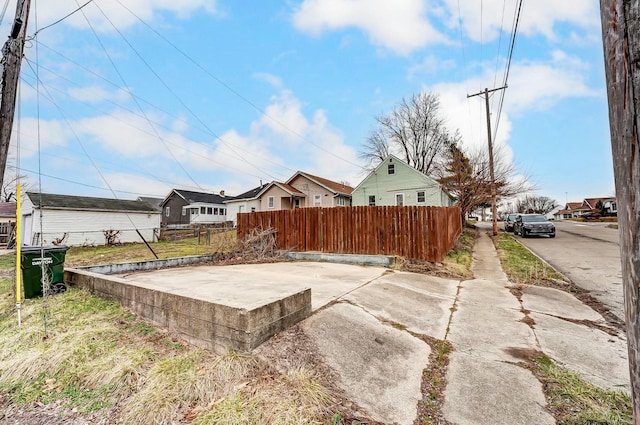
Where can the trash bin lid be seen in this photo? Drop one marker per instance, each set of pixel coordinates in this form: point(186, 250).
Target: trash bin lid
point(46, 248)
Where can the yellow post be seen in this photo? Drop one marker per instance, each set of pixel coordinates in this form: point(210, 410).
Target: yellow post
point(18, 253)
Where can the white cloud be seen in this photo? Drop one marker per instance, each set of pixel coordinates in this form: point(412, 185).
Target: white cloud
point(482, 21)
point(97, 94)
point(147, 10)
point(273, 80)
point(401, 26)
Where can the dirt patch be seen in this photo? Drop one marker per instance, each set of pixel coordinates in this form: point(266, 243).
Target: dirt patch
point(525, 354)
point(433, 382)
point(293, 348)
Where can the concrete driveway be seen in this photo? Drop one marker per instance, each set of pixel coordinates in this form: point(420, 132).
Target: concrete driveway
point(368, 322)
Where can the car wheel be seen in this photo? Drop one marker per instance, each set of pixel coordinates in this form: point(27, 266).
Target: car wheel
point(524, 233)
point(553, 235)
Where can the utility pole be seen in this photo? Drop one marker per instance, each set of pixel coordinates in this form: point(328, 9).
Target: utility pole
point(621, 41)
point(12, 52)
point(494, 209)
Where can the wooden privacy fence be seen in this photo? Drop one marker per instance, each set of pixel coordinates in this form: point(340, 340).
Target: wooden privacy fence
point(423, 233)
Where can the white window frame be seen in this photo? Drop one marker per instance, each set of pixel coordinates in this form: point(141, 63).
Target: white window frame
point(391, 169)
point(340, 201)
point(396, 199)
point(167, 211)
point(184, 211)
point(271, 202)
point(424, 196)
point(317, 200)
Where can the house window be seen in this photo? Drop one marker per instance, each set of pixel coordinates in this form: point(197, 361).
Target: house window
point(271, 202)
point(253, 209)
point(184, 211)
point(317, 200)
point(194, 211)
point(399, 199)
point(203, 210)
point(421, 197)
point(210, 211)
point(391, 169)
point(167, 211)
point(372, 200)
point(223, 211)
point(340, 201)
point(296, 203)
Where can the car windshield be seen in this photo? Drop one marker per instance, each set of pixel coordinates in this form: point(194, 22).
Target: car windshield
point(530, 218)
point(512, 217)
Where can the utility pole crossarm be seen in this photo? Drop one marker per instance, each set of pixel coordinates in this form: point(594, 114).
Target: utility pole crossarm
point(12, 53)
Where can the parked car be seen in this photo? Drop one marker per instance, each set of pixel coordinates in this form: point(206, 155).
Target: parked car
point(533, 224)
point(508, 222)
point(591, 215)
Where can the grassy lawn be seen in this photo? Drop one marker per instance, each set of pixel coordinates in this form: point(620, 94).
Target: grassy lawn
point(99, 362)
point(93, 255)
point(523, 267)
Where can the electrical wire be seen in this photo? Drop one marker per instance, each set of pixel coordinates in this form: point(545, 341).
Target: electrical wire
point(58, 21)
point(236, 93)
point(514, 34)
point(173, 93)
point(157, 134)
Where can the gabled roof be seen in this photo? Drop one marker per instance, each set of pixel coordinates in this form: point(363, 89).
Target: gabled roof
point(395, 158)
point(87, 203)
point(7, 209)
point(330, 185)
point(591, 202)
point(154, 202)
point(248, 195)
point(573, 205)
point(192, 197)
point(287, 188)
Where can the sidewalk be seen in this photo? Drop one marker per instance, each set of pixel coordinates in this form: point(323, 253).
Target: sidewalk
point(485, 384)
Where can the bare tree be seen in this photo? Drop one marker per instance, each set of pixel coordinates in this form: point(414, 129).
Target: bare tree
point(414, 130)
point(468, 178)
point(9, 185)
point(535, 204)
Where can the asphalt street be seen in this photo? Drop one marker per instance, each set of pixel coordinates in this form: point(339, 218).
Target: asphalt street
point(589, 255)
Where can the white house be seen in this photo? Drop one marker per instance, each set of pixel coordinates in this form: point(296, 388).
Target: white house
point(394, 182)
point(81, 220)
point(248, 201)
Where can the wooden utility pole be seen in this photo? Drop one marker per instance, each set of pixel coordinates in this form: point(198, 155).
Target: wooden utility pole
point(621, 40)
point(494, 208)
point(12, 52)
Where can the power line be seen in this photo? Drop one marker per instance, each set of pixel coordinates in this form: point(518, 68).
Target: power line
point(59, 20)
point(134, 99)
point(235, 92)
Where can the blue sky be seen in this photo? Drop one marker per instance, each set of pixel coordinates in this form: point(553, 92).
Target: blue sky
point(143, 96)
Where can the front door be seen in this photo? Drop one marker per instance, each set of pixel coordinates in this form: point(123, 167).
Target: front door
point(400, 199)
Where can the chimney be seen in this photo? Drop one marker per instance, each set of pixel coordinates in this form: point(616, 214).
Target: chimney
point(222, 193)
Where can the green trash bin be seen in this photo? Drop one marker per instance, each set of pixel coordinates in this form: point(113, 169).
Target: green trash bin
point(53, 263)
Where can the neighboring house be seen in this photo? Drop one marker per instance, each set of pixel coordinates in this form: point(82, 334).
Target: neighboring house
point(394, 182)
point(81, 220)
point(154, 202)
point(186, 207)
point(302, 190)
point(7, 221)
point(610, 206)
point(245, 202)
point(320, 192)
point(570, 210)
point(551, 215)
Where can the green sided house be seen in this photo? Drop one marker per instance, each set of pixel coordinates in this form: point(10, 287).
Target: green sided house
point(394, 182)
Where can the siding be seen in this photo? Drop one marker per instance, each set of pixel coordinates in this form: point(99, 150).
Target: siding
point(175, 204)
point(233, 207)
point(406, 180)
point(278, 202)
point(311, 189)
point(87, 227)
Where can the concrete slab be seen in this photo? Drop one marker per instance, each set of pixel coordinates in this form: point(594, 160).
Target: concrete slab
point(499, 393)
point(247, 285)
point(558, 303)
point(419, 302)
point(488, 321)
point(598, 357)
point(380, 366)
